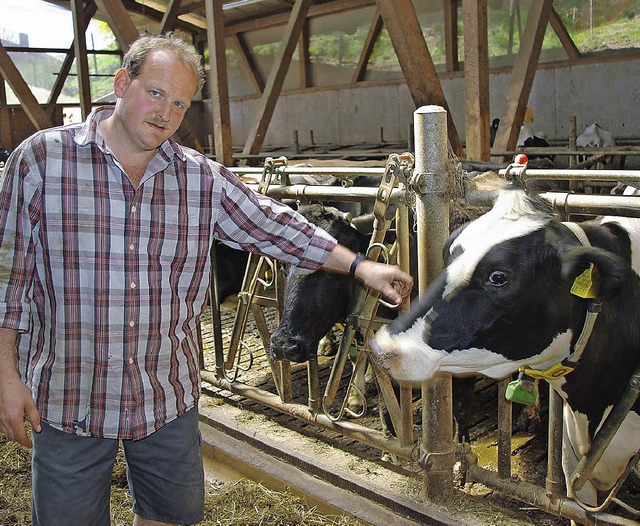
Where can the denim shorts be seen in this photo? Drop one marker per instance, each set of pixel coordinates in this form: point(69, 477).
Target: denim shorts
point(71, 475)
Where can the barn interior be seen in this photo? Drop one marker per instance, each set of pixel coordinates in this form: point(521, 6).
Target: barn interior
point(338, 82)
point(275, 66)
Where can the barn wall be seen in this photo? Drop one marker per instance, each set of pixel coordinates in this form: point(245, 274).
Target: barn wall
point(20, 126)
point(607, 93)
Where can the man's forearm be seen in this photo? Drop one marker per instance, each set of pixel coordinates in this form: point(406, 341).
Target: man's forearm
point(8, 338)
point(339, 260)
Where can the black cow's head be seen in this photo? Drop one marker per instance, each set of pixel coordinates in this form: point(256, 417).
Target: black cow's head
point(504, 298)
point(315, 302)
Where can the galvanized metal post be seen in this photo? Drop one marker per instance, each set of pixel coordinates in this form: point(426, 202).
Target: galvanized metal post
point(430, 182)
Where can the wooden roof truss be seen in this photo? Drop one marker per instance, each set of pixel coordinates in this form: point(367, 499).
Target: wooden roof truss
point(212, 22)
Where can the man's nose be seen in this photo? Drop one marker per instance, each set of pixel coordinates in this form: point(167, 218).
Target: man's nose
point(164, 111)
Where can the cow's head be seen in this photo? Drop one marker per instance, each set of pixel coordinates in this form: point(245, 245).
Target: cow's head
point(315, 302)
point(504, 298)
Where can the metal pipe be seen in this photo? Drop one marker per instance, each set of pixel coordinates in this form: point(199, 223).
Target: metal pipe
point(623, 176)
point(313, 384)
point(430, 181)
point(555, 476)
point(532, 494)
point(337, 171)
point(566, 203)
point(504, 431)
point(404, 261)
point(604, 435)
point(371, 437)
point(333, 193)
point(628, 206)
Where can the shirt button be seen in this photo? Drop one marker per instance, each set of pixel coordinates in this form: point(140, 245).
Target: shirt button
point(133, 285)
point(131, 360)
point(132, 323)
point(132, 246)
point(134, 209)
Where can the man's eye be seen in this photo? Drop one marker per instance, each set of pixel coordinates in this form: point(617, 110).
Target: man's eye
point(498, 278)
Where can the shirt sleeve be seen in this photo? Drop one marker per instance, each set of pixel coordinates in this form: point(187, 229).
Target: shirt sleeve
point(257, 223)
point(19, 212)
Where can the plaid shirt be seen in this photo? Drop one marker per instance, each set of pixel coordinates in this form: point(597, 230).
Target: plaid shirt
point(106, 282)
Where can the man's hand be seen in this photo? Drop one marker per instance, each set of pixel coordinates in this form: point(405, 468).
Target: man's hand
point(390, 280)
point(15, 403)
point(15, 397)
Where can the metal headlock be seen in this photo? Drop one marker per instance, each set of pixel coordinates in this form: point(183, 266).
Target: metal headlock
point(398, 166)
point(232, 366)
point(363, 317)
point(364, 304)
point(602, 439)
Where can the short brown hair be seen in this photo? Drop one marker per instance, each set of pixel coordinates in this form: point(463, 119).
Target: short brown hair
point(135, 57)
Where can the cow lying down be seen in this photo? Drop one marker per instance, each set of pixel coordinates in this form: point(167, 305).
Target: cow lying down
point(504, 301)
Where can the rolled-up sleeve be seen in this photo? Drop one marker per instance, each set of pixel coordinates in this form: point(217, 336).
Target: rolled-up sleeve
point(19, 197)
point(257, 223)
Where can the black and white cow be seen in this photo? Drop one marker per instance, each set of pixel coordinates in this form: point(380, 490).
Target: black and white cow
point(504, 301)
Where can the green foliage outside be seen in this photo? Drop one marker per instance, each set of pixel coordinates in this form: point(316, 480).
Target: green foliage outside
point(594, 25)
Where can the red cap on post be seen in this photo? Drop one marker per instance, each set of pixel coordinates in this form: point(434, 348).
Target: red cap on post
point(521, 158)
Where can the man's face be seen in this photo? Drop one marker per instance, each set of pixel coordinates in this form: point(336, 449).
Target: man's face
point(152, 105)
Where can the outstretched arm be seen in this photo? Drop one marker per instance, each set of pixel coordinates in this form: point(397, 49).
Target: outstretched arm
point(390, 280)
point(15, 397)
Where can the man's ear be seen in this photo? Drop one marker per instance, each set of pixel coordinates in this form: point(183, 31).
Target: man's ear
point(120, 81)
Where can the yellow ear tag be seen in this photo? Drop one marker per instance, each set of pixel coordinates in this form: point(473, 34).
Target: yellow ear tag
point(584, 286)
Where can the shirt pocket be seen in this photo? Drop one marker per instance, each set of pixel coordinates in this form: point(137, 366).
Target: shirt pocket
point(183, 241)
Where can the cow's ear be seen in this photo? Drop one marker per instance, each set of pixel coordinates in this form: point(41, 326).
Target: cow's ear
point(609, 272)
point(446, 250)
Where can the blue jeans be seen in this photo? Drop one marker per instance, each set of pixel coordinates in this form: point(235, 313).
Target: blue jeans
point(71, 475)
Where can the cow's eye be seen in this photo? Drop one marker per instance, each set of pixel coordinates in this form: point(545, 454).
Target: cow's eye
point(498, 278)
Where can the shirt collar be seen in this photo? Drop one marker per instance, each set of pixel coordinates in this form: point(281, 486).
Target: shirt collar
point(89, 133)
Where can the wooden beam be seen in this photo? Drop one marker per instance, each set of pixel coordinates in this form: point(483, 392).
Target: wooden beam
point(451, 35)
point(219, 85)
point(515, 22)
point(90, 9)
point(120, 22)
point(6, 141)
point(80, 50)
point(247, 59)
point(29, 103)
point(522, 75)
point(144, 9)
point(327, 8)
point(476, 80)
point(565, 39)
point(170, 17)
point(402, 23)
point(255, 138)
point(374, 32)
point(304, 66)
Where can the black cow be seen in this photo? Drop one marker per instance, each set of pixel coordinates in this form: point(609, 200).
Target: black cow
point(232, 262)
point(316, 301)
point(504, 301)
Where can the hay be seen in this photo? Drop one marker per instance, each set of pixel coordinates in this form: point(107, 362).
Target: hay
point(242, 503)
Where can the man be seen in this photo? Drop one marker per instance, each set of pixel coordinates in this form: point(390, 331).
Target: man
point(105, 231)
